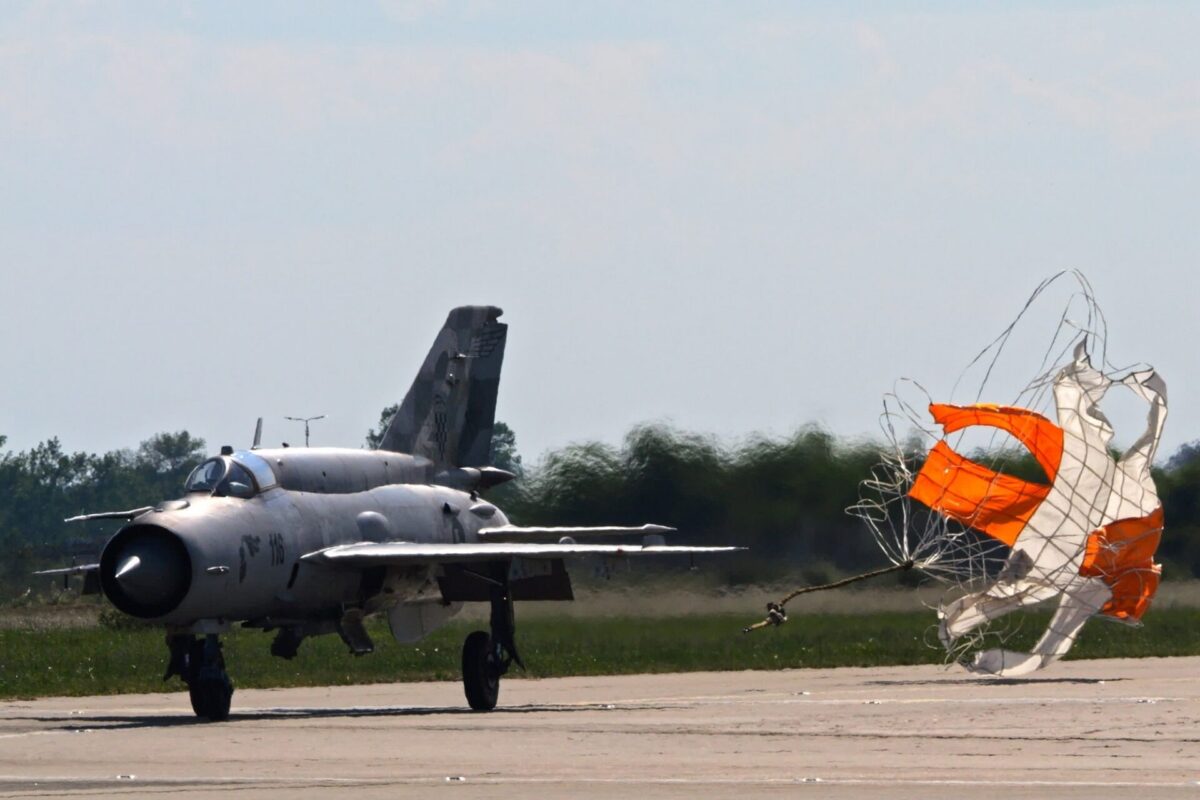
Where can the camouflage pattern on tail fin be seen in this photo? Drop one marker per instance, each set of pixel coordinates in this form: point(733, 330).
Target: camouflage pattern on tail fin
point(447, 415)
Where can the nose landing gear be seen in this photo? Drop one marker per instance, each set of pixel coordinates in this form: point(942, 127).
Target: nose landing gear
point(198, 661)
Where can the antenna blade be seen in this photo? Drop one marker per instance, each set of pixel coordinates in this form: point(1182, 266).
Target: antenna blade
point(257, 435)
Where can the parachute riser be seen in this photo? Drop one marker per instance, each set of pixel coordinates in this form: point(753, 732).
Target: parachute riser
point(775, 611)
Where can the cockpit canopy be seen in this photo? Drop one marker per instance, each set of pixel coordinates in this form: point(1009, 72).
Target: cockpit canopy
point(243, 475)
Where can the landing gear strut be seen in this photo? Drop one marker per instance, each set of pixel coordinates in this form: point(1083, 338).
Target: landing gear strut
point(486, 657)
point(198, 661)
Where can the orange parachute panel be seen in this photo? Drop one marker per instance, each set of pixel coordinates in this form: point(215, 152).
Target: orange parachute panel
point(1122, 555)
point(977, 496)
point(1043, 438)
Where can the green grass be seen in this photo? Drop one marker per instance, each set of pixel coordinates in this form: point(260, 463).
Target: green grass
point(83, 661)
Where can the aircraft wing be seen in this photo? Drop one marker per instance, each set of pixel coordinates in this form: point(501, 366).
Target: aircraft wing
point(369, 554)
point(90, 573)
point(76, 570)
point(125, 515)
point(518, 533)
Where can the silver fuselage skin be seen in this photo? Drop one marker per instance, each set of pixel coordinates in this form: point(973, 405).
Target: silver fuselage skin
point(222, 559)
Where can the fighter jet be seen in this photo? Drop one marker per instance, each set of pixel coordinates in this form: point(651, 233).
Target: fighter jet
point(309, 541)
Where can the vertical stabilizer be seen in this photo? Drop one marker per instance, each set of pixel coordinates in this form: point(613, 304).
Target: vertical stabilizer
point(447, 415)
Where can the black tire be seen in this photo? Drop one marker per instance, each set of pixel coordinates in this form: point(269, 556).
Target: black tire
point(481, 673)
point(211, 698)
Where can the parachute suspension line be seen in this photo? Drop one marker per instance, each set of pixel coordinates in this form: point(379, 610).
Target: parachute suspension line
point(777, 616)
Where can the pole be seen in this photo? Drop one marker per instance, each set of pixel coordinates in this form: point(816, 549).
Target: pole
point(306, 421)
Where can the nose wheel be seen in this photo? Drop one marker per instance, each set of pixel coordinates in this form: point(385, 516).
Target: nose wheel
point(201, 665)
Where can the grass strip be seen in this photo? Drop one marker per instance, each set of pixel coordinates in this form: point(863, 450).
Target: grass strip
point(86, 661)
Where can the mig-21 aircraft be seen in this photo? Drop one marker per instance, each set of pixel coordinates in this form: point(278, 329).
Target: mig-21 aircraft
point(308, 541)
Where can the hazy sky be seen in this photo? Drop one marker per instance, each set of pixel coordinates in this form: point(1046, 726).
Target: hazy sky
point(734, 216)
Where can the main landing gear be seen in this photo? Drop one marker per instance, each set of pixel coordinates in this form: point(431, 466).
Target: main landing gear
point(485, 657)
point(198, 661)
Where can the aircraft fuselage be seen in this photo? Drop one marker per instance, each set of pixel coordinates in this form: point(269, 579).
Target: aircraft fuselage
point(307, 542)
point(218, 557)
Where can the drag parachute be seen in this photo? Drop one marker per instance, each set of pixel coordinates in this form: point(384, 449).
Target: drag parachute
point(1083, 532)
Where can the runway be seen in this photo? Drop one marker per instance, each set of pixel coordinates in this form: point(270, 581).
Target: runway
point(1128, 728)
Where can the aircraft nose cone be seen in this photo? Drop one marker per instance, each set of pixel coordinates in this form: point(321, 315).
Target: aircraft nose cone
point(149, 571)
point(145, 583)
point(145, 571)
point(127, 568)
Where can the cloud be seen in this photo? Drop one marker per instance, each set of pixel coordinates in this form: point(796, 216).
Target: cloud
point(871, 41)
point(833, 84)
point(407, 11)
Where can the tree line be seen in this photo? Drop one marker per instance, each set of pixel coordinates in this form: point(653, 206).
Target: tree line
point(42, 486)
point(783, 497)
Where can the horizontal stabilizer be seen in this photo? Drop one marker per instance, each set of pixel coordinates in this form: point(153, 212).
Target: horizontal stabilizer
point(517, 533)
point(371, 554)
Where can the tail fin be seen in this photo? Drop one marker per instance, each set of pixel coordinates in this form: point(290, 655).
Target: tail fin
point(447, 415)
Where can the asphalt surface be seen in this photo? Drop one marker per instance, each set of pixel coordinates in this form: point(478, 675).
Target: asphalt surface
point(1112, 728)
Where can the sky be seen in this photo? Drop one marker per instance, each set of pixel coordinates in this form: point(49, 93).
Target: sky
point(732, 217)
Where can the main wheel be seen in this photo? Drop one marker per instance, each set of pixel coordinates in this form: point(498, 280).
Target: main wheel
point(481, 673)
point(211, 697)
